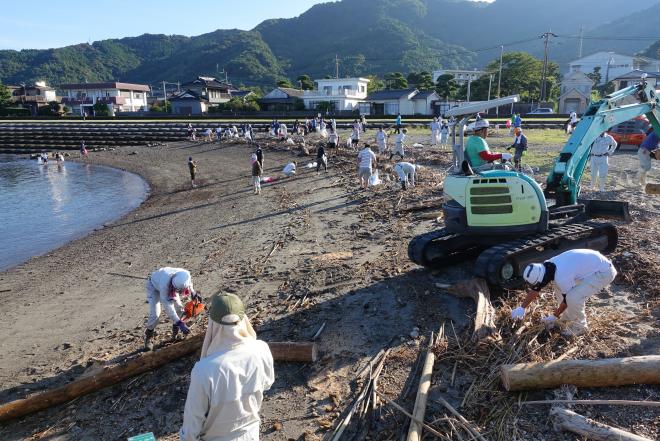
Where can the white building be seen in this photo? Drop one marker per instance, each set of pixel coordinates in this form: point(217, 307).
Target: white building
point(613, 65)
point(342, 93)
point(575, 89)
point(404, 101)
point(119, 97)
point(461, 76)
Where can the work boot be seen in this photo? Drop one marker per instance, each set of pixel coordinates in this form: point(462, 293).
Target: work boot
point(148, 337)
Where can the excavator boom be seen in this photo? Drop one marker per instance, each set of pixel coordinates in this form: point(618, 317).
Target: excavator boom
point(563, 182)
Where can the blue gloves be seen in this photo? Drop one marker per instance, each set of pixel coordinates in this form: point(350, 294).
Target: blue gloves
point(182, 326)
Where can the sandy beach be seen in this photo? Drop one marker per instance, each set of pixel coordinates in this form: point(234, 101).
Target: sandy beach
point(340, 260)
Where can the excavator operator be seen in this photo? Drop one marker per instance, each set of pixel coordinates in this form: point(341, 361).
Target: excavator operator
point(477, 152)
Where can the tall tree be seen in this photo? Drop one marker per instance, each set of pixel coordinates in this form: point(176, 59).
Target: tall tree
point(396, 80)
point(446, 86)
point(421, 80)
point(285, 83)
point(5, 97)
point(522, 75)
point(305, 82)
point(375, 84)
point(596, 76)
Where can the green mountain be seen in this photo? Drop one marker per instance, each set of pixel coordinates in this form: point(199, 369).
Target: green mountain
point(366, 36)
point(147, 59)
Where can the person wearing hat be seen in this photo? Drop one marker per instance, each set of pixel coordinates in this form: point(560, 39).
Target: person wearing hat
point(577, 275)
point(477, 152)
point(165, 287)
point(519, 146)
point(227, 384)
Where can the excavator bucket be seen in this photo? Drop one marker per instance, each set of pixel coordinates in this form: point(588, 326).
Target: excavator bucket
point(617, 210)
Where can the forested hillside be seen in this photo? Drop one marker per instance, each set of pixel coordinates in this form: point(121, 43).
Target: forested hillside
point(367, 36)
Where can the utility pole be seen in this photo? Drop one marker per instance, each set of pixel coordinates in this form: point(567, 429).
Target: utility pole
point(499, 79)
point(581, 41)
point(164, 97)
point(607, 73)
point(336, 66)
point(469, 87)
point(490, 84)
point(546, 41)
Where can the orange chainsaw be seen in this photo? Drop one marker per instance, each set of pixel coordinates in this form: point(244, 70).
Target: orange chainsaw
point(193, 307)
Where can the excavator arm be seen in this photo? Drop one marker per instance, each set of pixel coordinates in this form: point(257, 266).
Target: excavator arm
point(563, 182)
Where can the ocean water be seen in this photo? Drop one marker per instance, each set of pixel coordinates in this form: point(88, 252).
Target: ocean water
point(42, 207)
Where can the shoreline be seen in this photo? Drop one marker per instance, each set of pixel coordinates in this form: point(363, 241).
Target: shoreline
point(147, 191)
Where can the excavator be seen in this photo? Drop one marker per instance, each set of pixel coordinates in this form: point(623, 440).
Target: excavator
point(507, 220)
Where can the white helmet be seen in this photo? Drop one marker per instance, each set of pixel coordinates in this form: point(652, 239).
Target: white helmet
point(181, 280)
point(481, 124)
point(534, 273)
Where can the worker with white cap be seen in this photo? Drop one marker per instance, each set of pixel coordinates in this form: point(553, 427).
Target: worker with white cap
point(477, 152)
point(602, 148)
point(578, 274)
point(406, 172)
point(165, 287)
point(227, 384)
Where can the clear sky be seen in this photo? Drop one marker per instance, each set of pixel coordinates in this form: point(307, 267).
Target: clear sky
point(41, 24)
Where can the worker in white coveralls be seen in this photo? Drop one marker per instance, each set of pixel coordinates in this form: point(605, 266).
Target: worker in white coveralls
point(227, 384)
point(165, 287)
point(435, 132)
point(406, 172)
point(578, 274)
point(603, 147)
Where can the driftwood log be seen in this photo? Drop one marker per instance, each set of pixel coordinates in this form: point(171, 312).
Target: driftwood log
point(567, 420)
point(652, 188)
point(415, 430)
point(582, 373)
point(301, 352)
point(477, 290)
point(421, 206)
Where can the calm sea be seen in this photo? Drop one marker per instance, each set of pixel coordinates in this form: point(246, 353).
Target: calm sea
point(42, 207)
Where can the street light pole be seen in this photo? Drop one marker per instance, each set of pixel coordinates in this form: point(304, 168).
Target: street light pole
point(499, 79)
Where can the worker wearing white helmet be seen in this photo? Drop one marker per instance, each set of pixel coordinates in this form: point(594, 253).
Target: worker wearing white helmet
point(227, 384)
point(577, 274)
point(165, 287)
point(477, 152)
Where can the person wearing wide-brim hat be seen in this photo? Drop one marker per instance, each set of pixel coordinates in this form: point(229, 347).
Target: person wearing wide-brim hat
point(228, 382)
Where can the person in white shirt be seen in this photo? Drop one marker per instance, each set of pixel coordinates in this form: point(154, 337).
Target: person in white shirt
point(577, 274)
point(355, 135)
point(444, 134)
point(406, 172)
point(165, 287)
point(434, 132)
point(218, 133)
point(381, 140)
point(227, 384)
point(289, 169)
point(366, 161)
point(283, 131)
point(603, 147)
point(398, 144)
point(333, 138)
